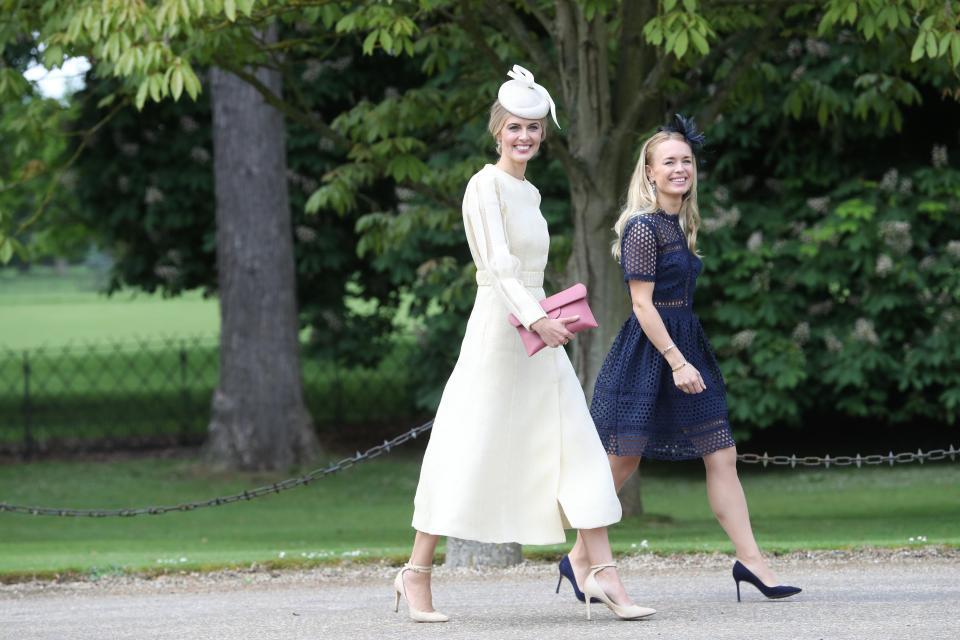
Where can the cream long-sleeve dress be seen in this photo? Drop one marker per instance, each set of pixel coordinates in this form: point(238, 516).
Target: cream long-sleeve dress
point(514, 455)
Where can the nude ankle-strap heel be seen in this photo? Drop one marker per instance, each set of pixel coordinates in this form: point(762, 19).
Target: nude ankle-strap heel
point(415, 614)
point(592, 589)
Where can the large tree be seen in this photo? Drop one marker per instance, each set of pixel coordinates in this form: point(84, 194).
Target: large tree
point(259, 419)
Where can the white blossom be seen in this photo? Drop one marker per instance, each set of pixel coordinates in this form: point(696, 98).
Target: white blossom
point(884, 265)
point(743, 339)
point(896, 235)
point(305, 234)
point(152, 195)
point(863, 331)
point(938, 156)
point(755, 241)
point(200, 155)
point(801, 333)
point(833, 345)
point(889, 181)
point(820, 205)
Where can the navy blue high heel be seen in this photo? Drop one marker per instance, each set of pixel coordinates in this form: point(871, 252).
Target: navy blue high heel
point(566, 571)
point(741, 573)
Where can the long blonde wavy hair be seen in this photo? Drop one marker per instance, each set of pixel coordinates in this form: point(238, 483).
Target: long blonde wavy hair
point(641, 198)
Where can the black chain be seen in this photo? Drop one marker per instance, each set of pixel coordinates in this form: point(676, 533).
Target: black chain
point(846, 461)
point(276, 487)
point(388, 445)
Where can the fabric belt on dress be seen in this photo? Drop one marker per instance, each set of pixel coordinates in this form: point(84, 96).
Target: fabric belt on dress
point(527, 278)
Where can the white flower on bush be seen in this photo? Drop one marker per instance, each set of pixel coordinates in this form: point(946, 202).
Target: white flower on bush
point(755, 241)
point(884, 265)
point(152, 195)
point(953, 248)
point(863, 331)
point(743, 339)
point(889, 181)
point(938, 156)
point(820, 205)
point(896, 235)
point(305, 234)
point(200, 155)
point(833, 345)
point(801, 333)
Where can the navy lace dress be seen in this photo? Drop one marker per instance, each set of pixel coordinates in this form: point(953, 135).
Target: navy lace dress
point(636, 407)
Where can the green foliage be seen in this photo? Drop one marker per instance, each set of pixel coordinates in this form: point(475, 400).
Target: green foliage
point(846, 302)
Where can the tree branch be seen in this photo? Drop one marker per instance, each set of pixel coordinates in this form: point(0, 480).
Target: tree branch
point(469, 24)
point(744, 64)
point(525, 38)
point(309, 120)
point(540, 16)
point(649, 89)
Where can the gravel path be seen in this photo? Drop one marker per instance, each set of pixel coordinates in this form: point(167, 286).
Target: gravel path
point(872, 594)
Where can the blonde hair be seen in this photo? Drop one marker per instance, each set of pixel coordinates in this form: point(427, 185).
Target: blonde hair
point(641, 197)
point(498, 118)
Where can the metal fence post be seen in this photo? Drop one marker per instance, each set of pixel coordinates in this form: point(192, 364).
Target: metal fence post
point(184, 397)
point(28, 441)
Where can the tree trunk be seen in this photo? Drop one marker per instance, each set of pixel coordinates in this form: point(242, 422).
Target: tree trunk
point(467, 553)
point(259, 419)
point(595, 209)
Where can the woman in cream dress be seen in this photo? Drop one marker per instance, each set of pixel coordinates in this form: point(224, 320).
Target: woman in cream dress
point(514, 455)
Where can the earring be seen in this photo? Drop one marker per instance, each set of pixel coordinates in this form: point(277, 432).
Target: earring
point(653, 187)
point(498, 147)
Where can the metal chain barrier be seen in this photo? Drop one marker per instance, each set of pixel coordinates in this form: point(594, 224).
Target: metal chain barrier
point(388, 445)
point(276, 487)
point(846, 461)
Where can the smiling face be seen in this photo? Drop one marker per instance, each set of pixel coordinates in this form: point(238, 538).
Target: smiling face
point(672, 168)
point(520, 139)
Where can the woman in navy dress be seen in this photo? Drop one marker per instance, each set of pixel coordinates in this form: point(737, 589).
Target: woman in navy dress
point(659, 393)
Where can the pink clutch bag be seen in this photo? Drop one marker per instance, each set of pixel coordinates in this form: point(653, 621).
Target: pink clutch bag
point(569, 302)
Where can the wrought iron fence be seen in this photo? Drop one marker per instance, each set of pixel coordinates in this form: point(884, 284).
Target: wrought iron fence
point(157, 392)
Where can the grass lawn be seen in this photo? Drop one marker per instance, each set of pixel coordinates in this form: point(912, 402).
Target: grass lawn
point(44, 308)
point(365, 513)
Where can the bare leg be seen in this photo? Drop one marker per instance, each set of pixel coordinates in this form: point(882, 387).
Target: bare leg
point(622, 468)
point(597, 546)
point(729, 505)
point(417, 585)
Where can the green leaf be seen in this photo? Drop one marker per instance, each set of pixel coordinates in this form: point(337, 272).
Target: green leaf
point(955, 48)
point(669, 5)
point(142, 94)
point(699, 42)
point(176, 83)
point(917, 52)
point(370, 42)
point(106, 100)
point(6, 251)
point(245, 6)
point(680, 47)
point(931, 46)
point(944, 44)
point(230, 8)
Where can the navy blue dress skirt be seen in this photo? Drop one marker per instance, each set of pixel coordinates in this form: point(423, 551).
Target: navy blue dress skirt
point(636, 407)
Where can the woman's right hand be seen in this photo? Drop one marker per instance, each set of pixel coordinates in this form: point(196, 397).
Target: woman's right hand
point(688, 379)
point(554, 332)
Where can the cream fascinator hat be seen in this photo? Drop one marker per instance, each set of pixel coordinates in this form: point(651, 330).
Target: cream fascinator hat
point(525, 98)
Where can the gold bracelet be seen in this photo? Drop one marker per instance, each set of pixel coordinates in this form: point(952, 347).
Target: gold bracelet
point(678, 368)
point(664, 352)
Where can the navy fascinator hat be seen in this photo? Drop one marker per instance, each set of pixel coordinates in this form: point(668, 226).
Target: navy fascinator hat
point(688, 129)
